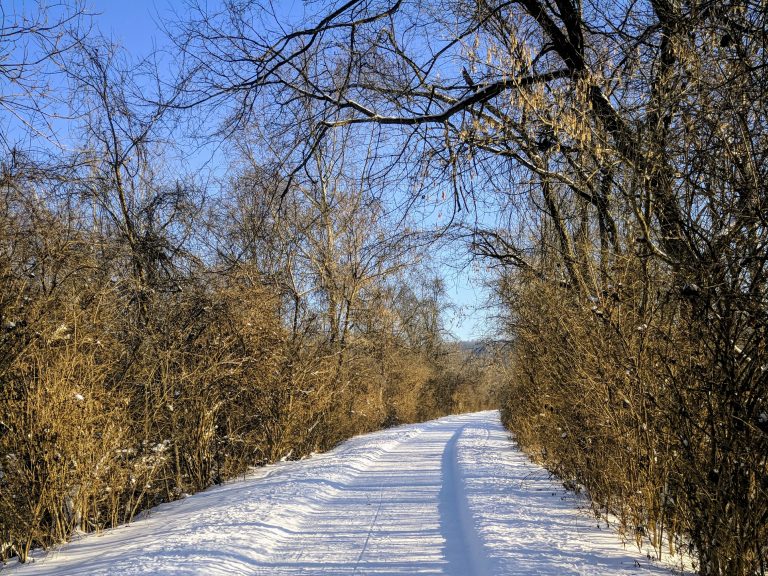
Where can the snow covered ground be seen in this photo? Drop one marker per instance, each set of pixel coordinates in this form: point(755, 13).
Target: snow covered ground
point(453, 496)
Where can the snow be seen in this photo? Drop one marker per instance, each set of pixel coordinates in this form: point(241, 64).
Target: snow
point(453, 497)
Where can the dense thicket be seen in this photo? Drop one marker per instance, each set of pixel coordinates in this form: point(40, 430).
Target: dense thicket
point(640, 325)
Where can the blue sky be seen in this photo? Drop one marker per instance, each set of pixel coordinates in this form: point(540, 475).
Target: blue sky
point(134, 25)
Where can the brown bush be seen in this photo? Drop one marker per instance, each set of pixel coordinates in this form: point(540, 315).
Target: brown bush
point(650, 408)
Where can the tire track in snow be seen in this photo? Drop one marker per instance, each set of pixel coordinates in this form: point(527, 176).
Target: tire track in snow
point(463, 548)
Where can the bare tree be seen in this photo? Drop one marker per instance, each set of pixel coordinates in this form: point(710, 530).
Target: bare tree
point(35, 43)
point(124, 149)
point(326, 243)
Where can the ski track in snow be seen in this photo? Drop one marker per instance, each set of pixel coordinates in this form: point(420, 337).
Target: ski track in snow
point(453, 497)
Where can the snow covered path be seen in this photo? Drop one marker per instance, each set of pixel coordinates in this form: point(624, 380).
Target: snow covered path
point(452, 497)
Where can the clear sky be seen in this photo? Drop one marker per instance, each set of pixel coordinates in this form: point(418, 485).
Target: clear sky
point(134, 25)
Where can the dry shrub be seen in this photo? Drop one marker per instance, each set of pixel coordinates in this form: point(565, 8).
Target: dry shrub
point(64, 427)
point(649, 407)
point(103, 415)
point(61, 447)
point(481, 377)
point(406, 376)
